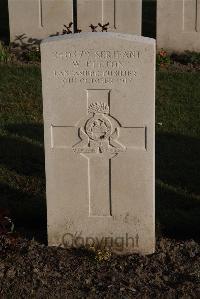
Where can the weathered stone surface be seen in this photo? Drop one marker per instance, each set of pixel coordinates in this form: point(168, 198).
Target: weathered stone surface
point(178, 25)
point(37, 19)
point(123, 15)
point(98, 94)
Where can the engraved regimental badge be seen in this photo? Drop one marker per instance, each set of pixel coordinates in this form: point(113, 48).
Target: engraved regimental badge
point(99, 133)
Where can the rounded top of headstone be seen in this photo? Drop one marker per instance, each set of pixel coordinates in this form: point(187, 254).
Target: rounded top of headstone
point(97, 35)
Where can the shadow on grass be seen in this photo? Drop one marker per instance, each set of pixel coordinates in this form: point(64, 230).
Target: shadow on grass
point(32, 131)
point(178, 216)
point(23, 178)
point(21, 156)
point(28, 212)
point(178, 161)
point(178, 185)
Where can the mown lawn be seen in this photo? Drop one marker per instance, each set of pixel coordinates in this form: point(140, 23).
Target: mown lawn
point(178, 153)
point(22, 178)
point(21, 152)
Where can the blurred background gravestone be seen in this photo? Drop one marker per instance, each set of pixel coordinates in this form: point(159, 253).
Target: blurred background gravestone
point(122, 15)
point(178, 25)
point(37, 19)
point(29, 18)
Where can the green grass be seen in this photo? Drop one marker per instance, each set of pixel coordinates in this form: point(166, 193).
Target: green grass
point(178, 153)
point(22, 177)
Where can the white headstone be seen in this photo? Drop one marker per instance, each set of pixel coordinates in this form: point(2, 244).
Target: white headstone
point(98, 94)
point(37, 19)
point(122, 15)
point(178, 25)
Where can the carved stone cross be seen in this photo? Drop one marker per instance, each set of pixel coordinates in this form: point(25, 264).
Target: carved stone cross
point(100, 135)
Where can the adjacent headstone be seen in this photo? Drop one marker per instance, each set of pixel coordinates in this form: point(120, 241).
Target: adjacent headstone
point(98, 97)
point(37, 19)
point(122, 15)
point(178, 25)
